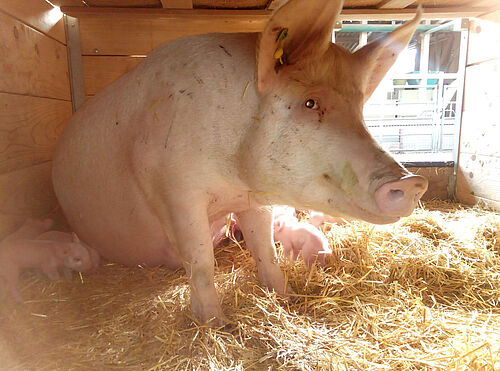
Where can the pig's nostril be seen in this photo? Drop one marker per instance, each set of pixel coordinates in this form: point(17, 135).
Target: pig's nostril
point(396, 194)
point(399, 197)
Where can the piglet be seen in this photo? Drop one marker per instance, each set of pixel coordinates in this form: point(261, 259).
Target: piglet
point(317, 219)
point(301, 238)
point(44, 255)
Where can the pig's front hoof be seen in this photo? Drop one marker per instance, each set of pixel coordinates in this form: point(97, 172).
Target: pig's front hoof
point(210, 315)
point(276, 282)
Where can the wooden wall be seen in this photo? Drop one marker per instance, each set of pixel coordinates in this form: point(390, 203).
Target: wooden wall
point(439, 180)
point(35, 104)
point(478, 178)
point(112, 46)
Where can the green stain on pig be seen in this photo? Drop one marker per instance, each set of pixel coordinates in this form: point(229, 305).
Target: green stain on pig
point(349, 178)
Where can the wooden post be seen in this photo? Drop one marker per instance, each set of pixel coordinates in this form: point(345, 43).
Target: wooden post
point(363, 36)
point(75, 61)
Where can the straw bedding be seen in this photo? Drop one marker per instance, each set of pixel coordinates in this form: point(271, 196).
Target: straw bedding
point(420, 294)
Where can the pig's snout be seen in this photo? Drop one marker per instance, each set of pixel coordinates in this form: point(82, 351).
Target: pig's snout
point(398, 198)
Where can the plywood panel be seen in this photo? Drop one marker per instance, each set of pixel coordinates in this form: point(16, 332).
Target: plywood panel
point(438, 178)
point(30, 62)
point(29, 129)
point(28, 193)
point(139, 36)
point(478, 176)
point(481, 109)
point(100, 71)
point(484, 41)
point(38, 14)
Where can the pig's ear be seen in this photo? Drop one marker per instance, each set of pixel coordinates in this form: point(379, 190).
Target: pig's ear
point(298, 29)
point(75, 237)
point(279, 223)
point(378, 56)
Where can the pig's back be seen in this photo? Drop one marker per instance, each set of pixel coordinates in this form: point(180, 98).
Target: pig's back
point(93, 167)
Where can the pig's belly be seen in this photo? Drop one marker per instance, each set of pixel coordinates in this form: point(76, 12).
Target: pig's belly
point(117, 222)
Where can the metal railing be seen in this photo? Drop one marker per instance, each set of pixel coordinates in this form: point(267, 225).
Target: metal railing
point(414, 113)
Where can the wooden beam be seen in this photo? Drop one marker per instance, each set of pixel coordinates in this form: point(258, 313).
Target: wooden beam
point(404, 14)
point(493, 16)
point(158, 13)
point(257, 18)
point(177, 4)
point(394, 4)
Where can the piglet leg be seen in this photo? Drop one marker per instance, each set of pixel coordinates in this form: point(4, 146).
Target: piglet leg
point(256, 226)
point(50, 269)
point(10, 277)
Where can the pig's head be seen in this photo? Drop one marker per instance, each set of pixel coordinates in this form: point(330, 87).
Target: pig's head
point(77, 256)
point(310, 147)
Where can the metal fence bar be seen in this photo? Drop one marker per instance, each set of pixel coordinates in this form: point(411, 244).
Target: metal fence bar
point(464, 38)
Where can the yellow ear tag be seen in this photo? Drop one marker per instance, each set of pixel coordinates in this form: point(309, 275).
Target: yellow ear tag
point(278, 54)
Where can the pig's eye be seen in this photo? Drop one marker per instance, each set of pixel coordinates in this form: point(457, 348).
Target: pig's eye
point(311, 104)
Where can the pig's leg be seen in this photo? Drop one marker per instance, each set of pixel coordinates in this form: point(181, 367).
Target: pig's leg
point(50, 269)
point(256, 225)
point(30, 229)
point(196, 253)
point(66, 272)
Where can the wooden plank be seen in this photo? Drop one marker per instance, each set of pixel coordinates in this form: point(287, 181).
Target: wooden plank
point(253, 4)
point(99, 71)
point(28, 193)
point(126, 36)
point(484, 41)
point(31, 63)
point(438, 178)
point(37, 14)
point(139, 31)
point(258, 15)
point(29, 129)
point(394, 4)
point(177, 4)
